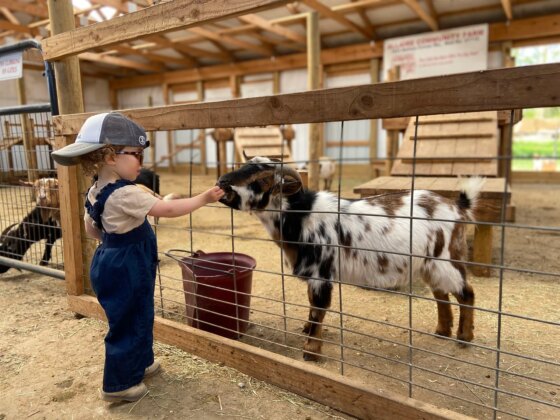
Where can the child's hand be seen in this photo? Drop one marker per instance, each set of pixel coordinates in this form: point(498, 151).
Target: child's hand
point(213, 195)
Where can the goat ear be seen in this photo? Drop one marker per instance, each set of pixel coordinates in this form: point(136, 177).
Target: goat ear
point(26, 183)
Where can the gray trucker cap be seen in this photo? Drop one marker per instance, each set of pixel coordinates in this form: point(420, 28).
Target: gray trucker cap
point(99, 130)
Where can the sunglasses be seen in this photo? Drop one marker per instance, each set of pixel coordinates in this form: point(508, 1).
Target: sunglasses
point(139, 155)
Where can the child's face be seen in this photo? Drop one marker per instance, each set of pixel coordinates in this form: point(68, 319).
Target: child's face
point(128, 162)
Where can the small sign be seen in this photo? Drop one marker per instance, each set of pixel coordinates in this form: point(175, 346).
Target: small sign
point(11, 66)
point(452, 51)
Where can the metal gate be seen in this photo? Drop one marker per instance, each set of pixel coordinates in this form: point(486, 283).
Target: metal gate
point(29, 208)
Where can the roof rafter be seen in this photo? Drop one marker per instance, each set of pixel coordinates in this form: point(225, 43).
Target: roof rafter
point(29, 8)
point(425, 16)
point(9, 26)
point(181, 47)
point(115, 4)
point(10, 16)
point(188, 62)
point(506, 4)
point(328, 12)
point(118, 61)
point(274, 28)
point(365, 18)
point(231, 40)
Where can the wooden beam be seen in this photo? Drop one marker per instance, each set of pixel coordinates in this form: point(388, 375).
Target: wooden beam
point(115, 4)
point(313, 80)
point(432, 10)
point(523, 29)
point(373, 123)
point(9, 26)
point(506, 4)
point(274, 28)
point(10, 16)
point(287, 62)
point(164, 17)
point(77, 12)
point(233, 41)
point(365, 18)
point(328, 12)
point(187, 62)
point(28, 8)
point(118, 61)
point(178, 45)
point(70, 101)
point(422, 14)
point(347, 395)
point(501, 89)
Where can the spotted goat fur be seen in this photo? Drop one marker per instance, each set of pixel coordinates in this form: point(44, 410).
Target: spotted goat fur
point(373, 235)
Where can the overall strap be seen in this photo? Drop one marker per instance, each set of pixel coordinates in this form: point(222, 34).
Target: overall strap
point(96, 210)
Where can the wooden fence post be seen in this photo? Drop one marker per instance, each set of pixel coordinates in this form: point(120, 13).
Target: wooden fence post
point(71, 179)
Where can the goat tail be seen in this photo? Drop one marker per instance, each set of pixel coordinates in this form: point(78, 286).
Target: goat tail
point(469, 191)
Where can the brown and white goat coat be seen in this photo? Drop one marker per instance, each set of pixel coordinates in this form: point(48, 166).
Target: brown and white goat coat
point(373, 235)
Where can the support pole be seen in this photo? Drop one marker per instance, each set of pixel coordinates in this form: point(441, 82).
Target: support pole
point(313, 80)
point(170, 140)
point(202, 132)
point(235, 86)
point(152, 138)
point(373, 131)
point(77, 252)
point(27, 134)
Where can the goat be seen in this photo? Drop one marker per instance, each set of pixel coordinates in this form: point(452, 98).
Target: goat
point(16, 239)
point(373, 236)
point(147, 178)
point(45, 195)
point(327, 169)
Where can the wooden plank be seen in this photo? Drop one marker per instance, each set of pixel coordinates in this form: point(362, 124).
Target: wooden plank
point(519, 87)
point(274, 28)
point(261, 49)
point(315, 146)
point(329, 13)
point(373, 124)
point(164, 17)
point(493, 187)
point(422, 14)
point(77, 250)
point(339, 392)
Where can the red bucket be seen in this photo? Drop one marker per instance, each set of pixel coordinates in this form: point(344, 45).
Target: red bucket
point(217, 289)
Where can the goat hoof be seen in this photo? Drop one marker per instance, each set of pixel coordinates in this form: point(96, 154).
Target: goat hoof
point(443, 332)
point(310, 357)
point(44, 263)
point(306, 328)
point(465, 338)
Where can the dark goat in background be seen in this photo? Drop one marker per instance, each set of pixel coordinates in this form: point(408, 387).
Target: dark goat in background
point(147, 178)
point(18, 238)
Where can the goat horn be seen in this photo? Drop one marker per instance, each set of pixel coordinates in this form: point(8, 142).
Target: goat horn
point(288, 170)
point(8, 229)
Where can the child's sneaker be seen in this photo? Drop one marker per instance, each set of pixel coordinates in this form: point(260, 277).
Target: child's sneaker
point(152, 369)
point(134, 393)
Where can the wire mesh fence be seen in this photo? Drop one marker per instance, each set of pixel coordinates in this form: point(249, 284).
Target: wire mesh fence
point(390, 334)
point(30, 213)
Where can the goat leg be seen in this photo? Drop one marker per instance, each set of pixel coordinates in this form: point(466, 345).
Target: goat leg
point(319, 293)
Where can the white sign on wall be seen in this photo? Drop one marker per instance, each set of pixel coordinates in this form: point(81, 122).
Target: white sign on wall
point(452, 51)
point(11, 66)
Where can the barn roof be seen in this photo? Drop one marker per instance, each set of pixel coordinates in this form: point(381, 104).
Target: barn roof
point(270, 33)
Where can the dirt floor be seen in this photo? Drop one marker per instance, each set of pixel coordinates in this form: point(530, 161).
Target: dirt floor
point(51, 363)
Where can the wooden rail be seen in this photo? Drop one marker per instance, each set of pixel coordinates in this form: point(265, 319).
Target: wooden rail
point(512, 88)
point(347, 395)
point(164, 17)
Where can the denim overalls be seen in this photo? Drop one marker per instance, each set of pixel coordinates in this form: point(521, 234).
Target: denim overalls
point(123, 273)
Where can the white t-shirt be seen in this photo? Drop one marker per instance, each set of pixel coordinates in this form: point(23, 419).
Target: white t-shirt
point(125, 209)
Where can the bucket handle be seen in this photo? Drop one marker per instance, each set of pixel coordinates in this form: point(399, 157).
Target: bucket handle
point(195, 254)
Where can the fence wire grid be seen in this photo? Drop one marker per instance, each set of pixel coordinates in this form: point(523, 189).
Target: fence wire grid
point(384, 337)
point(30, 216)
